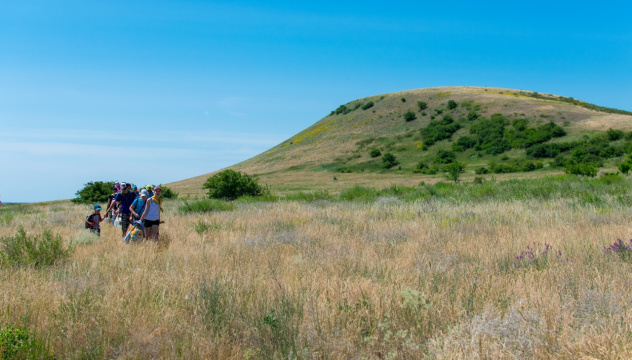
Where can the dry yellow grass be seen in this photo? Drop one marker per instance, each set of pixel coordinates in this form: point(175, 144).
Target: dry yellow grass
point(387, 280)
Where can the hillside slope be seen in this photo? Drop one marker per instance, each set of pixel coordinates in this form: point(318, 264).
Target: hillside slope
point(340, 143)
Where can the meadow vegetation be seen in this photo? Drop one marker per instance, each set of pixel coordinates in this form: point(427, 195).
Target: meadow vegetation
point(522, 269)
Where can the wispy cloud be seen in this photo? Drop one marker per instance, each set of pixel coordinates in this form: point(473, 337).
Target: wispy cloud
point(184, 138)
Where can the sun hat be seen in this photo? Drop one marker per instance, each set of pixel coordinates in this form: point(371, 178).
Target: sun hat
point(97, 207)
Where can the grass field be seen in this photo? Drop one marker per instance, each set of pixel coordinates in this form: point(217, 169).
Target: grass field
point(438, 271)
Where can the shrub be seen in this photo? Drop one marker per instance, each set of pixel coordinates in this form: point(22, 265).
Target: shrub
point(389, 160)
point(452, 104)
point(367, 105)
point(422, 105)
point(439, 129)
point(41, 250)
point(342, 109)
point(520, 124)
point(94, 192)
point(409, 116)
point(464, 143)
point(515, 165)
point(490, 134)
point(625, 167)
point(544, 151)
point(444, 157)
point(614, 135)
point(584, 169)
point(403, 99)
point(454, 170)
point(17, 342)
point(231, 184)
point(481, 170)
point(375, 153)
point(168, 193)
point(206, 205)
point(472, 116)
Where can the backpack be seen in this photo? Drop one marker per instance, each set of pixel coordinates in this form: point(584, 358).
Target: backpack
point(86, 222)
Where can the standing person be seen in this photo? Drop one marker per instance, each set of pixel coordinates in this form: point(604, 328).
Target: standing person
point(109, 214)
point(138, 206)
point(125, 199)
point(94, 220)
point(150, 192)
point(151, 215)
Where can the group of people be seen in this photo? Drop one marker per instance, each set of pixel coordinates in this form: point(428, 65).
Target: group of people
point(131, 206)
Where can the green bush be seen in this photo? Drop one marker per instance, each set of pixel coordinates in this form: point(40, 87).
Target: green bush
point(464, 143)
point(94, 192)
point(41, 250)
point(614, 135)
point(624, 167)
point(375, 153)
point(342, 109)
point(368, 105)
point(17, 342)
point(454, 171)
point(422, 105)
point(444, 157)
point(515, 165)
point(206, 205)
point(231, 184)
point(490, 134)
point(452, 104)
point(168, 193)
point(389, 160)
point(584, 169)
point(409, 116)
point(439, 129)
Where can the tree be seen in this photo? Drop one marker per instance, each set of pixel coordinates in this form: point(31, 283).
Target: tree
point(231, 184)
point(94, 192)
point(454, 171)
point(389, 160)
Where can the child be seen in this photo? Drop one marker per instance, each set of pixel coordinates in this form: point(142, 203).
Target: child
point(94, 219)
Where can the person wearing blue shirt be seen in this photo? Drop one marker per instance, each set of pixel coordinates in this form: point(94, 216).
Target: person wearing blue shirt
point(138, 206)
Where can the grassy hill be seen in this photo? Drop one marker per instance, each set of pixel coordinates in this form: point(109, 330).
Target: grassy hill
point(335, 152)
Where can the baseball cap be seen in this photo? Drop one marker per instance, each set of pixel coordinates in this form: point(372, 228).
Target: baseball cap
point(97, 207)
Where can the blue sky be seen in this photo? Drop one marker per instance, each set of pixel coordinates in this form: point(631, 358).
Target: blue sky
point(159, 91)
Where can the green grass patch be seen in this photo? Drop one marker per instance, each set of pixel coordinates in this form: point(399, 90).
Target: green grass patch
point(39, 250)
point(207, 205)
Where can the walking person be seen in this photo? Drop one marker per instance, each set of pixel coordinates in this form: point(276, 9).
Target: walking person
point(138, 206)
point(124, 199)
point(151, 215)
point(110, 214)
point(94, 219)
